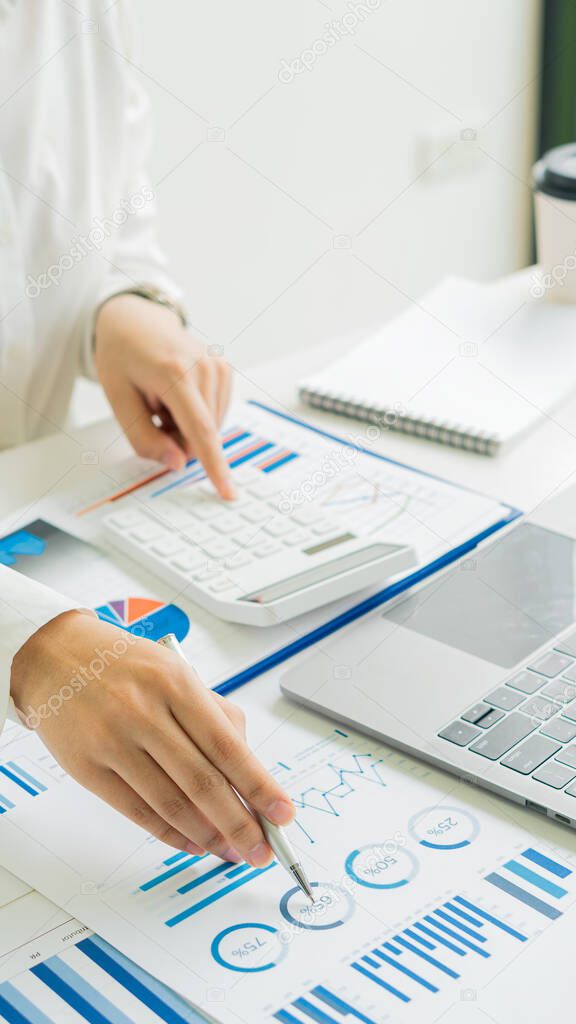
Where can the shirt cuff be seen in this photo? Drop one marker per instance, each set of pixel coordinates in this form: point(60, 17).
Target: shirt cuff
point(25, 606)
point(115, 284)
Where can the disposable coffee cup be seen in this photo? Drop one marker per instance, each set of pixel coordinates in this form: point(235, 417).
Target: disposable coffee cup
point(554, 181)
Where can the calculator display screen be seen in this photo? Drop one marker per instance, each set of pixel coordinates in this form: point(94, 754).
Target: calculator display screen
point(328, 570)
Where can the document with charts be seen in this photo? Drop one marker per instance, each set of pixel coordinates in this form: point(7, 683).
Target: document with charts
point(429, 894)
point(54, 970)
point(303, 471)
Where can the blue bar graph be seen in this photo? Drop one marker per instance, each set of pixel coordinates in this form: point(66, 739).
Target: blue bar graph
point(17, 1009)
point(39, 786)
point(217, 895)
point(380, 981)
point(17, 780)
point(439, 939)
point(85, 998)
point(523, 896)
point(78, 993)
point(181, 865)
point(237, 871)
point(202, 879)
point(458, 924)
point(547, 863)
point(5, 804)
point(552, 888)
point(153, 994)
point(406, 970)
point(491, 918)
point(175, 857)
point(335, 1003)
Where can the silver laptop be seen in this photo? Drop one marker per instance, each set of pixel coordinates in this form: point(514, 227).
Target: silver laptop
point(475, 670)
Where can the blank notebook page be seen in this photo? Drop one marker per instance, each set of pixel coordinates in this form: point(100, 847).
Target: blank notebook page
point(487, 360)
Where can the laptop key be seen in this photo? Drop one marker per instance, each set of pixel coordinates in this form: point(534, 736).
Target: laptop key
point(552, 663)
point(530, 754)
point(567, 755)
point(559, 689)
point(559, 729)
point(570, 673)
point(505, 698)
point(555, 775)
point(567, 645)
point(506, 734)
point(459, 733)
point(482, 715)
point(527, 682)
point(541, 707)
point(569, 711)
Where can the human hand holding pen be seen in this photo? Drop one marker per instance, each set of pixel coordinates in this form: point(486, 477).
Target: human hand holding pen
point(276, 837)
point(148, 737)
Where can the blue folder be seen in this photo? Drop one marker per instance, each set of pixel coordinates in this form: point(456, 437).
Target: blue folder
point(509, 514)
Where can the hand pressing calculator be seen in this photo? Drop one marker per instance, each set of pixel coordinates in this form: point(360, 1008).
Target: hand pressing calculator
point(249, 560)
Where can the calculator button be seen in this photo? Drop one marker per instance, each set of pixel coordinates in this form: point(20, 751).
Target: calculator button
point(124, 520)
point(527, 682)
point(199, 533)
point(171, 514)
point(167, 545)
point(249, 537)
point(147, 531)
point(559, 729)
point(189, 560)
point(205, 510)
point(494, 743)
point(505, 698)
point(221, 547)
point(255, 513)
point(555, 775)
point(269, 547)
point(227, 523)
point(278, 527)
point(530, 754)
point(297, 536)
point(325, 526)
point(206, 574)
point(305, 516)
point(239, 560)
point(220, 584)
point(552, 664)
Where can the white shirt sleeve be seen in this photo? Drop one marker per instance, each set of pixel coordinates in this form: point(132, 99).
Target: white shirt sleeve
point(25, 606)
point(136, 258)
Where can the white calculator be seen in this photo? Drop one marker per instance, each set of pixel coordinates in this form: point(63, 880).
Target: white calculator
point(251, 560)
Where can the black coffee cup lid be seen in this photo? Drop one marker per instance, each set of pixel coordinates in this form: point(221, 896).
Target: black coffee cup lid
point(555, 172)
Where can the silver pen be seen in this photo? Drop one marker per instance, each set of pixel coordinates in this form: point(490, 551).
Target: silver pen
point(275, 836)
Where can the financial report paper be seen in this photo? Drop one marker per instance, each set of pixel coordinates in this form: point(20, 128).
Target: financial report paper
point(369, 494)
point(429, 894)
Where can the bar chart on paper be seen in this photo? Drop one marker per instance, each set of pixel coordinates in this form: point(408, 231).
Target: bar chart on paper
point(418, 898)
point(62, 973)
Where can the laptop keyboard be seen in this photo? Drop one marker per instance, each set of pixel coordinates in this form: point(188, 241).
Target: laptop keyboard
point(528, 724)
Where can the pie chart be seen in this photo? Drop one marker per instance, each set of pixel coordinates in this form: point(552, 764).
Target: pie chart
point(145, 617)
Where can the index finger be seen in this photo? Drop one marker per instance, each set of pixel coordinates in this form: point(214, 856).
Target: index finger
point(198, 428)
point(225, 747)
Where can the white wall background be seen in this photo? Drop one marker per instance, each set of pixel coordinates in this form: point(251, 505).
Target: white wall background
point(294, 211)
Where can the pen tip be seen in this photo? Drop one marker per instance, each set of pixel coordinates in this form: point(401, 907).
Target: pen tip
point(303, 883)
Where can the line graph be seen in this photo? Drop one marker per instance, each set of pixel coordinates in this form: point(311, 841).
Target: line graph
point(342, 784)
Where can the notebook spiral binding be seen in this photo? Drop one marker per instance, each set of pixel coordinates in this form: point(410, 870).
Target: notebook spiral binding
point(454, 434)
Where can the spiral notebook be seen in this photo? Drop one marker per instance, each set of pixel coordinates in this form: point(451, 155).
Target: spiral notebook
point(471, 365)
